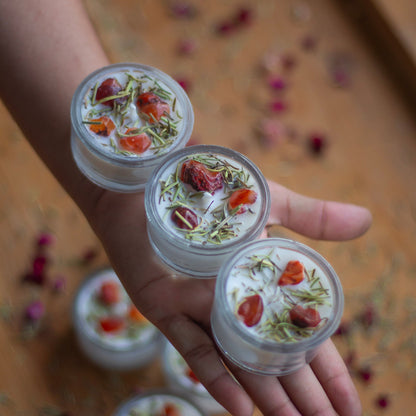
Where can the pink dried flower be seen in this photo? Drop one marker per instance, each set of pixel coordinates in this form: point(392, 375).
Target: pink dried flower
point(225, 28)
point(277, 83)
point(344, 328)
point(271, 132)
point(309, 43)
point(288, 61)
point(278, 106)
point(368, 316)
point(184, 83)
point(89, 256)
point(38, 265)
point(187, 47)
point(244, 16)
point(34, 311)
point(183, 10)
point(383, 401)
point(45, 239)
point(59, 284)
point(365, 373)
point(317, 143)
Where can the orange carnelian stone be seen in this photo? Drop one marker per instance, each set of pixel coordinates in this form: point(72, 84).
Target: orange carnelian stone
point(293, 274)
point(242, 197)
point(104, 126)
point(136, 144)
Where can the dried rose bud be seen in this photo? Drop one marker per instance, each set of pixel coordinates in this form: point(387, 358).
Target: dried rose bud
point(34, 311)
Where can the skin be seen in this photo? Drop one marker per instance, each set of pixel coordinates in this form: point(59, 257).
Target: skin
point(49, 43)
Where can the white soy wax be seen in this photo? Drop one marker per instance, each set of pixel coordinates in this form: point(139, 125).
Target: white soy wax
point(135, 344)
point(101, 156)
point(274, 344)
point(179, 378)
point(158, 402)
point(200, 251)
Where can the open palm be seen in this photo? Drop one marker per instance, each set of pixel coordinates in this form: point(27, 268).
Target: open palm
point(180, 307)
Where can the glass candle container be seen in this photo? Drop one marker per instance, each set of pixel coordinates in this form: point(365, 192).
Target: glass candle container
point(110, 331)
point(179, 377)
point(126, 118)
point(276, 301)
point(202, 203)
point(158, 402)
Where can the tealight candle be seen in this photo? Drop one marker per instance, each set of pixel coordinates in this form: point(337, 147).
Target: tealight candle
point(276, 301)
point(181, 378)
point(158, 403)
point(202, 203)
point(110, 330)
point(126, 118)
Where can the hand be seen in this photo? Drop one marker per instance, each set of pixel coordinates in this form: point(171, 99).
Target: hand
point(180, 307)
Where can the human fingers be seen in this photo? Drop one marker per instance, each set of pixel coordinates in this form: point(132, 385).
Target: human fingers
point(325, 220)
point(334, 377)
point(266, 392)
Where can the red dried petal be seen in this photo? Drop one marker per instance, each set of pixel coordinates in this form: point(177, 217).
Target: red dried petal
point(383, 401)
point(243, 197)
point(278, 106)
point(200, 177)
point(304, 318)
point(293, 274)
point(317, 143)
point(251, 310)
point(34, 311)
point(185, 218)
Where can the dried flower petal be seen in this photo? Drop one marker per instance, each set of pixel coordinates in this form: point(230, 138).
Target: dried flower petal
point(309, 43)
point(244, 17)
point(34, 311)
point(277, 83)
point(45, 239)
point(59, 284)
point(317, 143)
point(383, 401)
point(184, 83)
point(271, 132)
point(278, 106)
point(183, 10)
point(365, 373)
point(186, 47)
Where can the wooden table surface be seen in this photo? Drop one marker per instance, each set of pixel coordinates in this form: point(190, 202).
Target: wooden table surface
point(335, 88)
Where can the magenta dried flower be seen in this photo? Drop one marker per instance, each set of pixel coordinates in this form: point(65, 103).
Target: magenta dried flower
point(368, 316)
point(365, 373)
point(278, 106)
point(45, 239)
point(89, 256)
point(271, 132)
point(343, 329)
point(383, 401)
point(59, 284)
point(277, 83)
point(39, 264)
point(225, 28)
point(184, 83)
point(34, 311)
point(309, 43)
point(183, 10)
point(317, 143)
point(288, 61)
point(186, 47)
point(244, 17)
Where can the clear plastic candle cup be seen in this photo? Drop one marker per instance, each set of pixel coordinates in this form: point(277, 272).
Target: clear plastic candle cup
point(110, 331)
point(126, 118)
point(276, 301)
point(158, 402)
point(202, 203)
point(180, 378)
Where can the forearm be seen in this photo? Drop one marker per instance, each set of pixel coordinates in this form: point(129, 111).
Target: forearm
point(47, 47)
